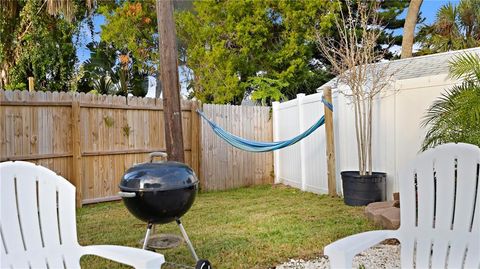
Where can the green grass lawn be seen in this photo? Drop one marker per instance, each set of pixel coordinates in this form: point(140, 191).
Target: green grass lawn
point(257, 227)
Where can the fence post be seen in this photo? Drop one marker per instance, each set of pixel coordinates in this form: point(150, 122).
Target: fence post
point(301, 125)
point(330, 145)
point(31, 84)
point(196, 139)
point(276, 134)
point(77, 175)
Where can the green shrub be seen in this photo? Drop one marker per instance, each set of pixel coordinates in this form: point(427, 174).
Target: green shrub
point(455, 116)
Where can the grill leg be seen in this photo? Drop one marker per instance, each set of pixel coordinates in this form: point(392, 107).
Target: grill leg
point(185, 236)
point(147, 235)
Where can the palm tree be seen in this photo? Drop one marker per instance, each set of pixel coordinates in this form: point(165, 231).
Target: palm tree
point(455, 116)
point(456, 27)
point(409, 28)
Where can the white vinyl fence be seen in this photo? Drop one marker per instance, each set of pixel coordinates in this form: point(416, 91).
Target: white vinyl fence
point(304, 164)
point(397, 133)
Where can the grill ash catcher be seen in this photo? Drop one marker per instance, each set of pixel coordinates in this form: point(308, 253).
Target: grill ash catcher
point(161, 192)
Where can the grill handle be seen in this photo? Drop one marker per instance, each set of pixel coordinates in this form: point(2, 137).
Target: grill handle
point(126, 194)
point(161, 154)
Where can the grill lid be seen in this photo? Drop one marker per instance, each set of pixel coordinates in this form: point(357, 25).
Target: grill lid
point(158, 177)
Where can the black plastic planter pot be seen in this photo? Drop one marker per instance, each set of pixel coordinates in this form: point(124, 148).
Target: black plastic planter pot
point(361, 190)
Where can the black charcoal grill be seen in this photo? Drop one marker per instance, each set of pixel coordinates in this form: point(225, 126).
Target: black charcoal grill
point(160, 192)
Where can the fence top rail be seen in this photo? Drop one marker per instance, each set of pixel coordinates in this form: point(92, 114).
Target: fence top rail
point(288, 104)
point(236, 106)
point(35, 103)
point(311, 98)
point(25, 98)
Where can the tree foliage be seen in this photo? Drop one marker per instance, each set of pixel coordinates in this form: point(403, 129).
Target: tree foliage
point(131, 27)
point(229, 43)
point(456, 27)
point(36, 40)
point(455, 116)
point(109, 71)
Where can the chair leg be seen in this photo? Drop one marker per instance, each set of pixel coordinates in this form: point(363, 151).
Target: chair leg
point(340, 261)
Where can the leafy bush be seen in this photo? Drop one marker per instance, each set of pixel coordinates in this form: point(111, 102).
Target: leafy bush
point(455, 116)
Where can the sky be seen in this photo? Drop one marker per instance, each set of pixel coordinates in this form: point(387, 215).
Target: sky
point(428, 9)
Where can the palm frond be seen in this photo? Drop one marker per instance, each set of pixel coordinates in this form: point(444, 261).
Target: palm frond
point(454, 116)
point(65, 7)
point(467, 66)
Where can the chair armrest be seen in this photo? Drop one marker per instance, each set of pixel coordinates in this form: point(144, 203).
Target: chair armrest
point(341, 252)
point(135, 257)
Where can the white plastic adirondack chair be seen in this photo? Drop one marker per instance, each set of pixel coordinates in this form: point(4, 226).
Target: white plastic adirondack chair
point(38, 223)
point(440, 213)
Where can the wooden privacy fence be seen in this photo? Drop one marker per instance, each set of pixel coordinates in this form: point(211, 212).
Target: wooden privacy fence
point(224, 166)
point(89, 139)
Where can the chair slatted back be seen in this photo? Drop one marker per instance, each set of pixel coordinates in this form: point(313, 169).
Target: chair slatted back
point(37, 218)
point(440, 208)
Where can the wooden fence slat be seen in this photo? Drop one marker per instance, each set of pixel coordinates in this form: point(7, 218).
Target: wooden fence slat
point(77, 175)
point(195, 136)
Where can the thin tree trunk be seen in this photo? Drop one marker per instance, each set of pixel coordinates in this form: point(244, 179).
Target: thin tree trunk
point(357, 134)
point(369, 137)
point(363, 117)
point(158, 87)
point(4, 76)
point(409, 28)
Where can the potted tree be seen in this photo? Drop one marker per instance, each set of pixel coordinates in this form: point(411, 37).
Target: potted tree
point(352, 51)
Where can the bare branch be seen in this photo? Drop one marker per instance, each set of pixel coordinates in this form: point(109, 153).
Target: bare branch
point(353, 57)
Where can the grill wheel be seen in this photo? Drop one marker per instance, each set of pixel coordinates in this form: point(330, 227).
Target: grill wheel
point(203, 264)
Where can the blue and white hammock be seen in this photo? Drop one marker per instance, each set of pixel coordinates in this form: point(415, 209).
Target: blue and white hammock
point(258, 146)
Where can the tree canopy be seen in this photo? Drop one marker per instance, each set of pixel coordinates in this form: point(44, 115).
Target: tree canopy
point(36, 40)
point(132, 28)
point(456, 27)
point(267, 47)
point(264, 49)
point(235, 47)
point(108, 71)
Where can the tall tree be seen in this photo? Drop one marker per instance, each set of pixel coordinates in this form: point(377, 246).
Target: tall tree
point(389, 21)
point(455, 27)
point(111, 71)
point(36, 40)
point(409, 28)
point(131, 27)
point(236, 47)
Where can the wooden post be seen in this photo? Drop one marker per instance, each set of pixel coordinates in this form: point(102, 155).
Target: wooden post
point(31, 84)
point(77, 174)
point(196, 133)
point(170, 83)
point(331, 173)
